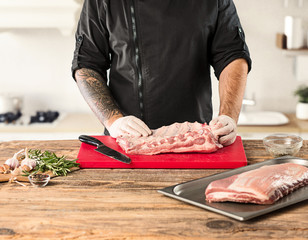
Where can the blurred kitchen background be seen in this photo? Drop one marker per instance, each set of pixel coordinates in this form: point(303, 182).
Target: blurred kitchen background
point(36, 49)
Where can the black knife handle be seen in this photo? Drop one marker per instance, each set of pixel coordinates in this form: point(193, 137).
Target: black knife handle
point(90, 140)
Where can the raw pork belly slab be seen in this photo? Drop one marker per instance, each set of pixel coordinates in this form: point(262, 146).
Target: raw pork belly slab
point(177, 138)
point(264, 185)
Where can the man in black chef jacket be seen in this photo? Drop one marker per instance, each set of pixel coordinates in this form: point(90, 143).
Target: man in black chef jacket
point(159, 53)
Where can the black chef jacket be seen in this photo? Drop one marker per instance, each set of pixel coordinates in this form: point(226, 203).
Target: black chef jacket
point(159, 53)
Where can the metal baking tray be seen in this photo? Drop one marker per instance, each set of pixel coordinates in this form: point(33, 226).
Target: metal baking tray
point(193, 192)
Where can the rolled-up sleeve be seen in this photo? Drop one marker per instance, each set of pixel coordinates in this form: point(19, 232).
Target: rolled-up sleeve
point(92, 48)
point(228, 42)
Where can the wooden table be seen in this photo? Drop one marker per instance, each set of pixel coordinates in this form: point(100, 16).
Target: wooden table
point(124, 204)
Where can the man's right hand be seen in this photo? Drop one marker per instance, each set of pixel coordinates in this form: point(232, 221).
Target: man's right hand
point(224, 127)
point(129, 125)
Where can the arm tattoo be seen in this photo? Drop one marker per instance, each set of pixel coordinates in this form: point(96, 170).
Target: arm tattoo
point(97, 94)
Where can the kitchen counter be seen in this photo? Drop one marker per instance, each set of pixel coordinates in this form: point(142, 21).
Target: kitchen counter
point(295, 126)
point(70, 122)
point(125, 204)
point(292, 126)
point(71, 125)
point(67, 126)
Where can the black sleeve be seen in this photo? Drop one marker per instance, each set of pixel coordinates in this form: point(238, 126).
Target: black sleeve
point(92, 48)
point(228, 42)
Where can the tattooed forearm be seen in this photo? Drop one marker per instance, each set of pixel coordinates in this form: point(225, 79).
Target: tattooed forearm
point(97, 94)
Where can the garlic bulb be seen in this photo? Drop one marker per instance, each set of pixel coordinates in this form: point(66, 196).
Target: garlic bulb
point(13, 162)
point(28, 163)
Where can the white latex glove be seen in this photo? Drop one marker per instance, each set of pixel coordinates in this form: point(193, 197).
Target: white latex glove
point(224, 127)
point(129, 125)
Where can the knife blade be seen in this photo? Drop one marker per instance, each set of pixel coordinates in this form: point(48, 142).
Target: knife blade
point(103, 149)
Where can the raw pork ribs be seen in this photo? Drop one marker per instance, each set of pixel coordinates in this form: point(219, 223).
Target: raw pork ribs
point(264, 185)
point(178, 138)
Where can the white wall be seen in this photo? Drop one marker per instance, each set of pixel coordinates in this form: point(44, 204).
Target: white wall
point(36, 63)
point(271, 80)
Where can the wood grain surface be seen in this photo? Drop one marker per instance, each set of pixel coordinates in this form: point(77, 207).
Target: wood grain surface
point(124, 204)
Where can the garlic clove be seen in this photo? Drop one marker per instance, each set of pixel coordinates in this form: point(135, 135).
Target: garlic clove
point(13, 162)
point(31, 163)
point(17, 171)
point(6, 168)
point(26, 168)
point(20, 155)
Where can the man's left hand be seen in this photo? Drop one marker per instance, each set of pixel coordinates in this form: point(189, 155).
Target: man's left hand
point(224, 127)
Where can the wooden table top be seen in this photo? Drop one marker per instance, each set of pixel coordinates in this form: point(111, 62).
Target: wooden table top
point(125, 204)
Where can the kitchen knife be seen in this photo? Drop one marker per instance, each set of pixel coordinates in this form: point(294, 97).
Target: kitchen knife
point(102, 148)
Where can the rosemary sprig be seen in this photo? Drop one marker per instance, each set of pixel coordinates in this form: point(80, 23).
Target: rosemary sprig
point(49, 161)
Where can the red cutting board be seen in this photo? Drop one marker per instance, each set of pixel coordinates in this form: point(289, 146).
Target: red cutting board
point(232, 156)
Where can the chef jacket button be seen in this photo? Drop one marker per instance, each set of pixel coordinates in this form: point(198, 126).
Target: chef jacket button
point(79, 39)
